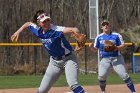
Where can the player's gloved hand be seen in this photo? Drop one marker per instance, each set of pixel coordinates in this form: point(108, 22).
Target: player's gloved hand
point(109, 46)
point(80, 41)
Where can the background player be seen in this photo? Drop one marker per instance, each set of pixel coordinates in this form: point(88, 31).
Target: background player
point(62, 56)
point(111, 59)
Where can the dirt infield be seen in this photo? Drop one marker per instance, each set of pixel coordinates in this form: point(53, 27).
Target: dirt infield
point(89, 89)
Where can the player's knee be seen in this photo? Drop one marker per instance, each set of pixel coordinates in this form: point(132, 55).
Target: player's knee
point(125, 76)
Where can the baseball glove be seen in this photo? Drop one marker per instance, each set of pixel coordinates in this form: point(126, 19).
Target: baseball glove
point(109, 46)
point(80, 41)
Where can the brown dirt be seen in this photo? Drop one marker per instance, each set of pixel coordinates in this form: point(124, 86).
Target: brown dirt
point(89, 89)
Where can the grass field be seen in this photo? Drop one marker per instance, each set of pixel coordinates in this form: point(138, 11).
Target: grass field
point(34, 81)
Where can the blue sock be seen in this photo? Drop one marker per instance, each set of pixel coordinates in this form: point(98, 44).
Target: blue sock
point(130, 84)
point(102, 84)
point(79, 89)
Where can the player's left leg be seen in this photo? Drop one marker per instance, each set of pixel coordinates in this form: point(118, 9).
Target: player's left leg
point(71, 71)
point(51, 75)
point(119, 67)
point(104, 68)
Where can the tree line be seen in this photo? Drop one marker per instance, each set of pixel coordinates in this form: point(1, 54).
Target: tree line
point(122, 14)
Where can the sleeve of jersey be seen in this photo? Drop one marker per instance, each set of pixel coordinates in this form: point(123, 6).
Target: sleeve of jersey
point(34, 28)
point(96, 43)
point(120, 40)
point(60, 28)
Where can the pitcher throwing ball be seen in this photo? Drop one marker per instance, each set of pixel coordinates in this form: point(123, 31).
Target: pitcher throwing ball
point(110, 44)
point(62, 56)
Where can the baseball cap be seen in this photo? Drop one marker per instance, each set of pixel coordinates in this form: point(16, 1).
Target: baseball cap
point(104, 21)
point(43, 17)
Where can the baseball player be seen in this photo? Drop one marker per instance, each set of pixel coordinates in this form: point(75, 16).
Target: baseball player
point(62, 56)
point(111, 59)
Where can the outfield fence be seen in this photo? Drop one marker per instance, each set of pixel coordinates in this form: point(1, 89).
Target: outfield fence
point(40, 44)
point(136, 63)
point(88, 59)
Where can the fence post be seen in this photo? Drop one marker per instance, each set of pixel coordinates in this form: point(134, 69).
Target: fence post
point(133, 47)
point(85, 60)
point(35, 59)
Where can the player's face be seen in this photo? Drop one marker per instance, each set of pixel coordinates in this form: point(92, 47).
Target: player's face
point(45, 24)
point(105, 27)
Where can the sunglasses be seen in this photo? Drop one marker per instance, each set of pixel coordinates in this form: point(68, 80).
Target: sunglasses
point(41, 16)
point(105, 23)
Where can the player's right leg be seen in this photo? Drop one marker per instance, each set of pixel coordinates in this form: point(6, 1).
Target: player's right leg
point(71, 71)
point(51, 75)
point(103, 72)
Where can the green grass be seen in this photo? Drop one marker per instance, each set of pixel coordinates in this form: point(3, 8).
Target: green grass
point(34, 81)
point(19, 81)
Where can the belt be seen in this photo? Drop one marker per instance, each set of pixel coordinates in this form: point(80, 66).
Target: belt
point(62, 57)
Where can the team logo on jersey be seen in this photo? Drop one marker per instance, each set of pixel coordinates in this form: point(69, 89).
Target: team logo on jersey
point(47, 43)
point(46, 40)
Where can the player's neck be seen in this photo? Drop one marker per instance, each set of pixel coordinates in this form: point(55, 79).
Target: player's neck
point(107, 32)
point(45, 30)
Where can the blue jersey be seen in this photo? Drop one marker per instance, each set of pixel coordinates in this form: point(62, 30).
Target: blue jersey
point(115, 38)
point(53, 40)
